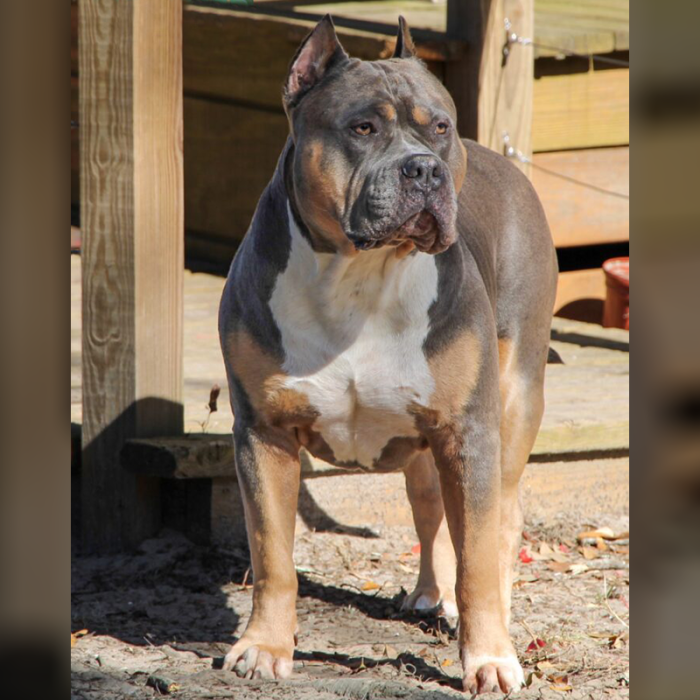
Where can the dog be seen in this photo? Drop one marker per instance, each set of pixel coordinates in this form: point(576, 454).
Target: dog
point(389, 309)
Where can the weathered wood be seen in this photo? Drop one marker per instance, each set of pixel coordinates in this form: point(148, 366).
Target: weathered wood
point(579, 284)
point(595, 27)
point(244, 57)
point(132, 224)
point(581, 110)
point(578, 215)
point(198, 456)
point(492, 91)
point(231, 155)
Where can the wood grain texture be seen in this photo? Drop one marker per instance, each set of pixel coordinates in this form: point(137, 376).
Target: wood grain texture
point(231, 155)
point(595, 26)
point(493, 96)
point(132, 228)
point(577, 215)
point(581, 110)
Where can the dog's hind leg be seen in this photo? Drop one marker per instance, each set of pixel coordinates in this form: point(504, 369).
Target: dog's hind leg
point(438, 566)
point(522, 406)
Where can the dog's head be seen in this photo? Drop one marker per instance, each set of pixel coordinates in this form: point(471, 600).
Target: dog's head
point(377, 158)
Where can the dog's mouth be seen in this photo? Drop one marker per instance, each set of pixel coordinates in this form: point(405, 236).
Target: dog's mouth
point(422, 229)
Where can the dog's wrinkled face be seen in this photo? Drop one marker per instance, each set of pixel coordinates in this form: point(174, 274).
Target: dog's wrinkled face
point(377, 159)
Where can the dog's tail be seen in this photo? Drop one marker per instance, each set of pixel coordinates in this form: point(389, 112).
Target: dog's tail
point(554, 358)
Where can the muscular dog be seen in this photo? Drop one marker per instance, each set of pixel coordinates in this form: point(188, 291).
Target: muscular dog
point(389, 308)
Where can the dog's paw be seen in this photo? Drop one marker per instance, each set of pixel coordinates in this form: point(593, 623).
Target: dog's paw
point(250, 660)
point(429, 600)
point(492, 674)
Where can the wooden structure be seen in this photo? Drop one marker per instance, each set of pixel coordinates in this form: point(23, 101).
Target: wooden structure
point(145, 76)
point(235, 61)
point(132, 222)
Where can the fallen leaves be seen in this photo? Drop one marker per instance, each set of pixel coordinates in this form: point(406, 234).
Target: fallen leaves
point(75, 636)
point(604, 533)
point(592, 544)
point(370, 586)
point(613, 640)
point(524, 556)
point(162, 685)
point(536, 645)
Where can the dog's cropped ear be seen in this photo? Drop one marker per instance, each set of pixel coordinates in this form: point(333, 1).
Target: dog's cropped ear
point(404, 44)
point(318, 53)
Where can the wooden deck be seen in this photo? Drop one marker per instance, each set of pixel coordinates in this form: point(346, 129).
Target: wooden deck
point(587, 398)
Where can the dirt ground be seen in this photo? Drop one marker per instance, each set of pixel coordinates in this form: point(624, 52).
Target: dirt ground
point(159, 622)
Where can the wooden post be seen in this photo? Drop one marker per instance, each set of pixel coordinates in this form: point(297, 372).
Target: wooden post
point(492, 97)
point(130, 59)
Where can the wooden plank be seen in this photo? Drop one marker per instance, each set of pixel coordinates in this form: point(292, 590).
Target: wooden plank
point(579, 284)
point(587, 27)
point(231, 155)
point(578, 215)
point(244, 57)
point(493, 97)
point(74, 141)
point(581, 110)
point(132, 220)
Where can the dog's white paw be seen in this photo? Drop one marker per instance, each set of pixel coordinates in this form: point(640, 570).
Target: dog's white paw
point(430, 599)
point(491, 674)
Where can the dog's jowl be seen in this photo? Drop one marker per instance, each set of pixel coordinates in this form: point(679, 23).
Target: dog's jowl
point(389, 308)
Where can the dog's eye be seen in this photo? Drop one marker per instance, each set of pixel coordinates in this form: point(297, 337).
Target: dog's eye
point(441, 128)
point(364, 129)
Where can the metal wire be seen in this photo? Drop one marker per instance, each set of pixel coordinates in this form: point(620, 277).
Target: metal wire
point(511, 152)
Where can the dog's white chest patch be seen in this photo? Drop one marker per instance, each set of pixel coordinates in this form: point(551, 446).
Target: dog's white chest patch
point(353, 330)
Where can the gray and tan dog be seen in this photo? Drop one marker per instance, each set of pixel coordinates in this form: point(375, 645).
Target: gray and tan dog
point(389, 308)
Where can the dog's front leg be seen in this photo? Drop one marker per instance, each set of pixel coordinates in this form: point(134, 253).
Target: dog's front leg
point(267, 463)
point(468, 460)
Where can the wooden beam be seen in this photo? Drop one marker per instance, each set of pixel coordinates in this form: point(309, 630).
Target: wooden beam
point(578, 215)
point(130, 56)
point(492, 92)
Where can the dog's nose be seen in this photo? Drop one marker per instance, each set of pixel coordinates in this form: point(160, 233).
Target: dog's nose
point(424, 171)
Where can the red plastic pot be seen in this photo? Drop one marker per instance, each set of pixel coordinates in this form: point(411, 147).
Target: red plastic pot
point(616, 311)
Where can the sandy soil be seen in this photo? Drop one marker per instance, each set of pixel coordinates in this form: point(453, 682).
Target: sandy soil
point(159, 622)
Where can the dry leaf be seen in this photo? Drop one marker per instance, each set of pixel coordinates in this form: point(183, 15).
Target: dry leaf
point(536, 645)
point(618, 641)
point(214, 397)
point(447, 662)
point(561, 688)
point(525, 556)
point(370, 586)
point(605, 533)
point(76, 635)
point(589, 552)
point(578, 569)
point(559, 567)
point(546, 550)
point(534, 679)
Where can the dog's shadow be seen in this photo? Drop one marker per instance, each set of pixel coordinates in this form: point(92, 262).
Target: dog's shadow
point(376, 608)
